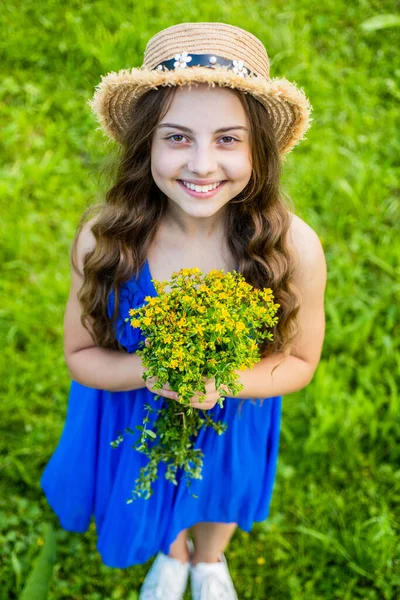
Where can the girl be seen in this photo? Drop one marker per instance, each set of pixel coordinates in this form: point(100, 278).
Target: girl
point(203, 131)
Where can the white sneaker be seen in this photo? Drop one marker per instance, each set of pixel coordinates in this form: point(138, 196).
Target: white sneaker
point(167, 578)
point(212, 581)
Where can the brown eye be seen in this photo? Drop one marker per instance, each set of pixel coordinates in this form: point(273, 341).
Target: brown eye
point(175, 135)
point(229, 137)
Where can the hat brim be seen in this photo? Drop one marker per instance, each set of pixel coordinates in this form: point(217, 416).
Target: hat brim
point(287, 105)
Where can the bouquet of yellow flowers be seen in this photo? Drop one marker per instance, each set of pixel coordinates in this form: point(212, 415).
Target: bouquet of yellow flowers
point(204, 327)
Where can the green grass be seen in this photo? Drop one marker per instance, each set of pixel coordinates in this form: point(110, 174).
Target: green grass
point(333, 531)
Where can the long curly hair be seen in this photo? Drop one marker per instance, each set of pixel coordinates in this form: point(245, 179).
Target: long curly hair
point(257, 222)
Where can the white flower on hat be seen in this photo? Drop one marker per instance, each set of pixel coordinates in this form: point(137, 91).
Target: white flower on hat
point(182, 59)
point(239, 68)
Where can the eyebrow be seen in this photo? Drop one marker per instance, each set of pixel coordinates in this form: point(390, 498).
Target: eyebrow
point(183, 128)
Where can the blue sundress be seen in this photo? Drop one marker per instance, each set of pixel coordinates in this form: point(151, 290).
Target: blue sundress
point(86, 476)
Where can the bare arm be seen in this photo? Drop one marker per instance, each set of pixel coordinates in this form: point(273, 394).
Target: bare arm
point(88, 364)
point(297, 370)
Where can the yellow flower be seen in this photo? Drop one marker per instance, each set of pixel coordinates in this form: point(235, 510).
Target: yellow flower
point(179, 353)
point(240, 326)
point(198, 328)
point(168, 338)
point(132, 312)
point(173, 363)
point(224, 313)
point(147, 321)
point(266, 293)
point(135, 322)
point(151, 300)
point(243, 285)
point(219, 328)
point(261, 560)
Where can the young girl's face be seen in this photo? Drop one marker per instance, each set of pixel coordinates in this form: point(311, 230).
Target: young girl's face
point(203, 139)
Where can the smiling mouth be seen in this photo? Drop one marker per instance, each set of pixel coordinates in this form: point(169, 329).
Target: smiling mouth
point(201, 188)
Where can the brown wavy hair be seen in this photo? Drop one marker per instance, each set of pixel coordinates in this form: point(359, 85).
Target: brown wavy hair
point(257, 223)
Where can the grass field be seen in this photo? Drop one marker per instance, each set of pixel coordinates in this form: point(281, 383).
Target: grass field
point(333, 531)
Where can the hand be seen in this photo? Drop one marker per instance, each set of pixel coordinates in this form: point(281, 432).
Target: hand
point(211, 394)
point(165, 391)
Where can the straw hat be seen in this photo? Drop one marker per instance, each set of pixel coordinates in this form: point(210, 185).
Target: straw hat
point(213, 53)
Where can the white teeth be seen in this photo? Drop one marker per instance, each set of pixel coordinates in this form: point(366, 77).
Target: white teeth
point(201, 188)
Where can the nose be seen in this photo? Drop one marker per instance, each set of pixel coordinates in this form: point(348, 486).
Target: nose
point(203, 160)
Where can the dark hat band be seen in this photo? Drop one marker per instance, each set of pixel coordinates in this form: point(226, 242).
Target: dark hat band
point(185, 59)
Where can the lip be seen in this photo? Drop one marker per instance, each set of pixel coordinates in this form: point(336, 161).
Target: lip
point(202, 181)
point(201, 194)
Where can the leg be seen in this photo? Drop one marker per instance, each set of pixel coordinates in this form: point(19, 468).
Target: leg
point(210, 540)
point(178, 549)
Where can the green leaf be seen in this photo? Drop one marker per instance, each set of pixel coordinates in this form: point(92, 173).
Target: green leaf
point(150, 433)
point(16, 565)
point(381, 22)
point(37, 584)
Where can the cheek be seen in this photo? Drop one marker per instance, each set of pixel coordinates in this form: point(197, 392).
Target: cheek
point(163, 163)
point(240, 166)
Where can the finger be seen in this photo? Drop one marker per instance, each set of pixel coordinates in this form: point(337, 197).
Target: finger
point(165, 393)
point(209, 384)
point(169, 392)
point(209, 402)
point(205, 406)
point(151, 382)
point(209, 388)
point(153, 385)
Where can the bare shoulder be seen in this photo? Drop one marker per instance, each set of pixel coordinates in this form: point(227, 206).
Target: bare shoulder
point(309, 278)
point(76, 336)
point(307, 251)
point(85, 242)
